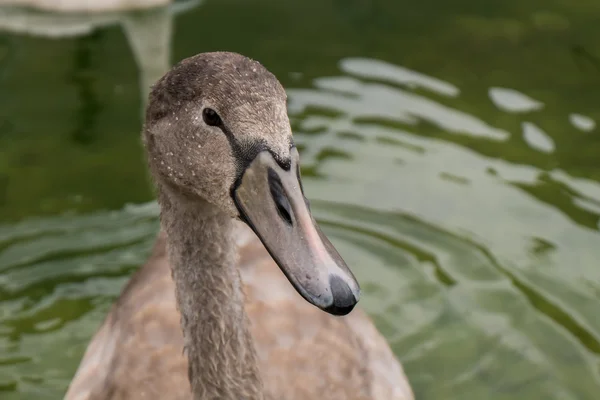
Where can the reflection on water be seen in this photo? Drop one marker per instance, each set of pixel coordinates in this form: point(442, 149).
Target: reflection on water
point(58, 277)
point(491, 300)
point(148, 30)
point(476, 250)
point(510, 100)
point(536, 138)
point(386, 102)
point(582, 122)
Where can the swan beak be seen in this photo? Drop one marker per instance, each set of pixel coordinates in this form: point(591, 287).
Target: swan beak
point(271, 201)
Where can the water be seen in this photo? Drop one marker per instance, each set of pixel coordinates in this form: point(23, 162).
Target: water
point(450, 151)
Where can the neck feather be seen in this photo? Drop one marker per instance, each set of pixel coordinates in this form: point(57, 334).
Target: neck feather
point(222, 358)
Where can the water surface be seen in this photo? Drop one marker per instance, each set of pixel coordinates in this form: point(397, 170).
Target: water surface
point(450, 152)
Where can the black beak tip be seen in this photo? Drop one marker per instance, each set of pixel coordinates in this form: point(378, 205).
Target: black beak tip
point(339, 311)
point(344, 299)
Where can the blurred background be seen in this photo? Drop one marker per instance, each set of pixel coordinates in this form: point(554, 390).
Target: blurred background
point(451, 151)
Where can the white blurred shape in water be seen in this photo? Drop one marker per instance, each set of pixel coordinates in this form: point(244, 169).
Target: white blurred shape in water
point(582, 122)
point(395, 104)
point(368, 68)
point(536, 138)
point(513, 101)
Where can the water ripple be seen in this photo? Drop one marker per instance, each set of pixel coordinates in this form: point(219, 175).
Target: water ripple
point(503, 251)
point(57, 278)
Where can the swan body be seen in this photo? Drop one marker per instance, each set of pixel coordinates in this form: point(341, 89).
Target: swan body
point(86, 6)
point(211, 315)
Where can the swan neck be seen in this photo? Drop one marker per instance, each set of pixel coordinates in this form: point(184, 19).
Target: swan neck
point(202, 252)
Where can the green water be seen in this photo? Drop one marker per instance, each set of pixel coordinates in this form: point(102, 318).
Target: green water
point(469, 213)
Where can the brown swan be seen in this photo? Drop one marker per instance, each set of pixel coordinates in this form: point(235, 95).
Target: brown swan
point(224, 322)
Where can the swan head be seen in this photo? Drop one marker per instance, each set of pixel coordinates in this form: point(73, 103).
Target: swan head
point(217, 130)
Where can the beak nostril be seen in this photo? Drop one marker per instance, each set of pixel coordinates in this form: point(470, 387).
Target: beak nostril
point(279, 197)
point(284, 213)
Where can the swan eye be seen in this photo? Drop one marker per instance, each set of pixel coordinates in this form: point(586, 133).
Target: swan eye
point(211, 117)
